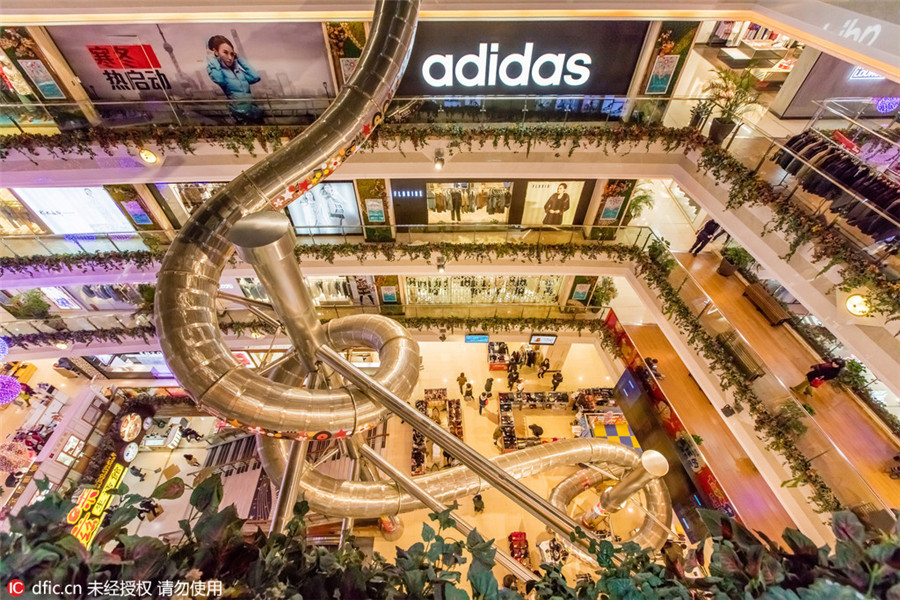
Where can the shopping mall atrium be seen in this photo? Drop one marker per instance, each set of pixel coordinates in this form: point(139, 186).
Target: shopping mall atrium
point(623, 269)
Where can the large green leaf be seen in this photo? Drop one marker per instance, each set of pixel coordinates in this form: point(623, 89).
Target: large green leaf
point(169, 490)
point(208, 494)
point(847, 527)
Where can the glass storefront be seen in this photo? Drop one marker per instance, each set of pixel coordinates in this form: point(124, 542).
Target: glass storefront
point(477, 289)
point(134, 365)
point(326, 291)
point(15, 218)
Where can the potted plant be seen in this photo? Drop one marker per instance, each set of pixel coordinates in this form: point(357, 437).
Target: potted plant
point(604, 292)
point(641, 200)
point(733, 93)
point(734, 258)
point(29, 305)
point(700, 113)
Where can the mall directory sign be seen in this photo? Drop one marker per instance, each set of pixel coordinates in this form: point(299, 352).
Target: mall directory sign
point(523, 58)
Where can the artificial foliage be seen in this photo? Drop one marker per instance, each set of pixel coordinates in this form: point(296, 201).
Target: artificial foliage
point(443, 566)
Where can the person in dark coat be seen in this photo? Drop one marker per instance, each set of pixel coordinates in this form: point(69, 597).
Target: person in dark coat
point(556, 206)
point(820, 373)
point(709, 232)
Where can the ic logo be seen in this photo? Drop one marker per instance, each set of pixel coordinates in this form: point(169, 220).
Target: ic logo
point(15, 587)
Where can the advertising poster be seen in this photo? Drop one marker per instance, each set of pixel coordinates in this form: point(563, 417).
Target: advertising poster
point(389, 294)
point(661, 75)
point(671, 49)
point(581, 291)
point(75, 210)
point(551, 202)
point(468, 202)
point(375, 210)
point(24, 56)
point(240, 63)
point(328, 208)
point(346, 41)
point(611, 208)
point(535, 58)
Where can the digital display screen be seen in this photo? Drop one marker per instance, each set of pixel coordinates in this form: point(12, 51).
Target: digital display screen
point(477, 338)
point(76, 210)
point(541, 339)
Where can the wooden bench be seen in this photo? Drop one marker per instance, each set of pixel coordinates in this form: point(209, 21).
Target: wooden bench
point(766, 304)
point(748, 365)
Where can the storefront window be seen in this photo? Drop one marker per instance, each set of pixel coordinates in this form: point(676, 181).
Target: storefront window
point(136, 365)
point(325, 291)
point(15, 218)
point(475, 289)
point(468, 202)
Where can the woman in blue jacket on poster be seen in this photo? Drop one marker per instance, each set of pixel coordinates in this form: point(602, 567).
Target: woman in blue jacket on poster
point(234, 75)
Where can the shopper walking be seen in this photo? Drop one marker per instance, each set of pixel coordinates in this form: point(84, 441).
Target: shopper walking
point(468, 394)
point(557, 379)
point(139, 473)
point(191, 460)
point(483, 401)
point(509, 588)
point(488, 384)
point(511, 379)
point(461, 380)
point(545, 365)
point(520, 388)
point(819, 374)
point(709, 232)
point(498, 433)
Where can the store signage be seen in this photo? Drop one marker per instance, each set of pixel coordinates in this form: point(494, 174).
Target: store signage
point(476, 338)
point(375, 210)
point(542, 339)
point(523, 57)
point(581, 291)
point(858, 73)
point(92, 503)
point(131, 426)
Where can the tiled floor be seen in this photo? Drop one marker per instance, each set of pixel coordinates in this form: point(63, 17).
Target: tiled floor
point(582, 368)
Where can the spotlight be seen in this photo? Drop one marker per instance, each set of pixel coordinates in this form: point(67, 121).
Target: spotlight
point(438, 159)
point(858, 305)
point(441, 262)
point(148, 156)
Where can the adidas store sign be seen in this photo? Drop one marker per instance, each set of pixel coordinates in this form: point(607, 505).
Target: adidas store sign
point(523, 58)
point(514, 70)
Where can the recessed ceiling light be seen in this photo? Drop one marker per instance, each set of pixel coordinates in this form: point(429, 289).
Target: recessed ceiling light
point(148, 156)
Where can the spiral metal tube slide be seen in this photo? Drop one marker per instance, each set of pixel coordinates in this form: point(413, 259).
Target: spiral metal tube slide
point(188, 282)
point(365, 499)
point(277, 407)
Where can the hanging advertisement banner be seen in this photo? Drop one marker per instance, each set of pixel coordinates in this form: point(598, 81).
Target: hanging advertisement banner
point(523, 57)
point(346, 41)
point(551, 202)
point(243, 63)
point(75, 210)
point(671, 49)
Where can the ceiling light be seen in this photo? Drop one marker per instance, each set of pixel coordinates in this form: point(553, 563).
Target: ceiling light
point(61, 345)
point(858, 305)
point(438, 159)
point(441, 262)
point(148, 156)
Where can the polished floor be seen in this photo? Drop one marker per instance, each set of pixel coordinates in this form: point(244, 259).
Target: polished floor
point(865, 443)
point(582, 367)
point(756, 504)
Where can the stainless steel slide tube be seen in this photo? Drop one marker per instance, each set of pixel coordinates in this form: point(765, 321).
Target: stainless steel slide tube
point(289, 490)
point(540, 508)
point(652, 465)
point(266, 241)
point(511, 564)
point(188, 282)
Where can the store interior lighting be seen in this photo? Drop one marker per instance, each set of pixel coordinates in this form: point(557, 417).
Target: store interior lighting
point(148, 156)
point(441, 263)
point(438, 159)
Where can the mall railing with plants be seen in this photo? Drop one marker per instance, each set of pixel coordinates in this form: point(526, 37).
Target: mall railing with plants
point(792, 433)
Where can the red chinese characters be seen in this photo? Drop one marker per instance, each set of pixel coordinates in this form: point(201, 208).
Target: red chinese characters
point(124, 57)
point(84, 503)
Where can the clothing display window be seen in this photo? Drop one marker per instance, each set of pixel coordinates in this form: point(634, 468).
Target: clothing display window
point(135, 365)
point(106, 296)
point(325, 291)
point(477, 289)
point(468, 202)
point(189, 195)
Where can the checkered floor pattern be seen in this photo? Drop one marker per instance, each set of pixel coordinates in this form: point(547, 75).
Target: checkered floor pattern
point(617, 434)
